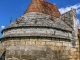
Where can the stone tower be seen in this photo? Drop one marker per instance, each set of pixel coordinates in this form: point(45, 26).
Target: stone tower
point(41, 33)
point(79, 41)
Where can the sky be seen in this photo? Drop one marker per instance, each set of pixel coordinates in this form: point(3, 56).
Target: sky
point(16, 8)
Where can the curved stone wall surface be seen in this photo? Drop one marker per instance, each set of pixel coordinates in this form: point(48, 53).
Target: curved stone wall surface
point(44, 32)
point(39, 49)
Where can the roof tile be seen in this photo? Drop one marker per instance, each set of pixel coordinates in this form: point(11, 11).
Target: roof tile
point(43, 7)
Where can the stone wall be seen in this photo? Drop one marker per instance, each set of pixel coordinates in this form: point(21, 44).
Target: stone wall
point(39, 48)
point(39, 25)
point(45, 32)
point(38, 19)
point(79, 42)
point(79, 47)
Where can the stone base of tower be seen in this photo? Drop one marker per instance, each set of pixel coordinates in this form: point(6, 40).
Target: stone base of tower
point(39, 49)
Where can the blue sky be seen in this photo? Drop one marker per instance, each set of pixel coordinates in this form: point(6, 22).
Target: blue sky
point(15, 8)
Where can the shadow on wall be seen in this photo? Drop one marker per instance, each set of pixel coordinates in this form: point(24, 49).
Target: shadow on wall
point(37, 54)
point(3, 56)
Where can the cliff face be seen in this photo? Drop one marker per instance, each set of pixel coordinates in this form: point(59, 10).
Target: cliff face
point(43, 7)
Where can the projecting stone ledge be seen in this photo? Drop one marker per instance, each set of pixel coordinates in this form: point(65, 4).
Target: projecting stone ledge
point(37, 32)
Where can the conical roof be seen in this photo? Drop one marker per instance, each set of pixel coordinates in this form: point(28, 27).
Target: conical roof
point(43, 7)
point(37, 22)
point(36, 10)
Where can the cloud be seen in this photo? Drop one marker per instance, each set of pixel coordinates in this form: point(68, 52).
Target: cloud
point(78, 21)
point(68, 8)
point(2, 27)
point(65, 9)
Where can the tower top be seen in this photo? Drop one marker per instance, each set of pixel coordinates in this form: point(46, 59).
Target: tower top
point(43, 7)
point(38, 0)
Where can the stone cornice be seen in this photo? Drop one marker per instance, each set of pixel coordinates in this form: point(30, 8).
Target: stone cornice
point(33, 37)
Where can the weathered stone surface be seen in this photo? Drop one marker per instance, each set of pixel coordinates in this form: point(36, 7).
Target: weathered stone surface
point(37, 32)
point(43, 20)
point(79, 42)
point(45, 27)
point(39, 36)
point(31, 49)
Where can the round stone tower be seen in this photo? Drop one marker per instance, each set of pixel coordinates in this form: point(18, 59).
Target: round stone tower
point(39, 34)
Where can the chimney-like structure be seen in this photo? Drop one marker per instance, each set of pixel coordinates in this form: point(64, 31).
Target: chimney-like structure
point(43, 7)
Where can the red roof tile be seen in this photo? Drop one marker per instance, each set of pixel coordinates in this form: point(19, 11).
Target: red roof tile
point(43, 7)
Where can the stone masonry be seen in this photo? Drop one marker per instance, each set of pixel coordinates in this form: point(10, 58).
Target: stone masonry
point(79, 41)
point(38, 35)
